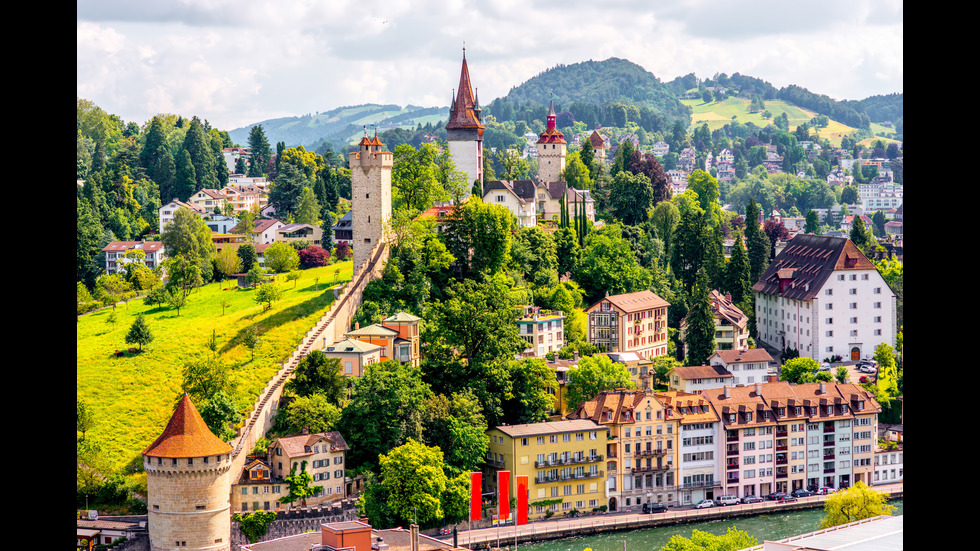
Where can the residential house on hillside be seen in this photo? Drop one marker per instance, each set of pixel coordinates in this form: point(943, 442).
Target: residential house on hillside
point(354, 355)
point(823, 297)
point(211, 200)
point(300, 232)
point(343, 230)
point(168, 211)
point(630, 322)
point(530, 200)
point(695, 378)
point(563, 460)
point(115, 254)
point(397, 336)
point(323, 453)
point(256, 489)
point(543, 330)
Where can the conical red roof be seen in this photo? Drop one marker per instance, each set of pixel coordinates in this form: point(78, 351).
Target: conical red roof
point(462, 115)
point(186, 435)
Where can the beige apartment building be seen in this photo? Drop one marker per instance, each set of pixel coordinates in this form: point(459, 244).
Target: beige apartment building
point(563, 460)
point(631, 322)
point(642, 450)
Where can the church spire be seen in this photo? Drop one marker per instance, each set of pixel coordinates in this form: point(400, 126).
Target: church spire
point(465, 110)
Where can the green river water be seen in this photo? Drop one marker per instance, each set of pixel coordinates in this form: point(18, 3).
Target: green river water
point(773, 526)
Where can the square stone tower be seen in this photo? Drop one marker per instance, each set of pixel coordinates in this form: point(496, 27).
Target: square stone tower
point(551, 148)
point(370, 175)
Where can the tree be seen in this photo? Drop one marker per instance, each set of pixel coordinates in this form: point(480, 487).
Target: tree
point(218, 412)
point(812, 222)
point(530, 401)
point(799, 370)
point(314, 412)
point(314, 256)
point(318, 374)
point(203, 378)
point(415, 178)
point(268, 293)
point(228, 261)
point(607, 265)
point(260, 151)
point(188, 236)
point(300, 485)
point(248, 256)
point(860, 235)
point(308, 211)
point(250, 339)
point(416, 479)
point(631, 197)
point(737, 280)
point(386, 409)
point(84, 420)
point(254, 525)
point(456, 424)
point(593, 375)
point(198, 146)
point(732, 540)
point(478, 236)
point(139, 332)
point(281, 257)
point(756, 243)
point(854, 503)
point(699, 338)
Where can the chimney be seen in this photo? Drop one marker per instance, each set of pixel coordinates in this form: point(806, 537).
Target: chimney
point(770, 378)
point(415, 537)
point(758, 389)
point(823, 388)
point(728, 392)
point(575, 356)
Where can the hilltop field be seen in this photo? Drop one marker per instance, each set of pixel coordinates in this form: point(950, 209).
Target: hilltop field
point(132, 396)
point(719, 113)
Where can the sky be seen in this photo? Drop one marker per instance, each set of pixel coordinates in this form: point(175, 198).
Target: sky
point(240, 62)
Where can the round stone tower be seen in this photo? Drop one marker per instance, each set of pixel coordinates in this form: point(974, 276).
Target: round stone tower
point(188, 483)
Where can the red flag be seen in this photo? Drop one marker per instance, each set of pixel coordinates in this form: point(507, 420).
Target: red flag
point(521, 499)
point(503, 494)
point(476, 489)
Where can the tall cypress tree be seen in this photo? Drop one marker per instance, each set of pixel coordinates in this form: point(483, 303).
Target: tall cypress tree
point(756, 242)
point(260, 151)
point(198, 145)
point(738, 273)
point(185, 177)
point(699, 339)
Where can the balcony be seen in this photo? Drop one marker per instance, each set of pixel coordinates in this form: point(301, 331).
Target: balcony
point(652, 468)
point(572, 476)
point(649, 453)
point(569, 461)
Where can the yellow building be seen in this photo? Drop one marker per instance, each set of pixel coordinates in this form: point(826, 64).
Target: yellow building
point(563, 460)
point(642, 450)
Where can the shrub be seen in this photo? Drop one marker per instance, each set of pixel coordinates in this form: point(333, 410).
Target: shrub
point(314, 256)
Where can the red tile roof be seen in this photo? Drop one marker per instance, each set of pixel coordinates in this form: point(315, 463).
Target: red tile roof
point(462, 115)
point(186, 435)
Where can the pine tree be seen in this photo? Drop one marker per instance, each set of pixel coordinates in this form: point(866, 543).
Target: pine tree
point(738, 273)
point(198, 145)
point(756, 242)
point(185, 178)
point(260, 151)
point(139, 333)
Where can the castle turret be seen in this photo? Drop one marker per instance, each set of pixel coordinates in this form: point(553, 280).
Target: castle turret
point(188, 485)
point(464, 131)
point(551, 148)
point(370, 175)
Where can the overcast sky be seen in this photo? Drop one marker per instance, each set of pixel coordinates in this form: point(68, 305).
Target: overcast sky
point(238, 62)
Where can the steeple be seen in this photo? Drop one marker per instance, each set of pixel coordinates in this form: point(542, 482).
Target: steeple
point(462, 114)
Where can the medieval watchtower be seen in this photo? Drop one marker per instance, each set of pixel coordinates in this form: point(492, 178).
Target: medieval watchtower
point(464, 131)
point(370, 176)
point(551, 148)
point(188, 484)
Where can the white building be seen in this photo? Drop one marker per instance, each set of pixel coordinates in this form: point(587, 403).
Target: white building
point(823, 297)
point(747, 367)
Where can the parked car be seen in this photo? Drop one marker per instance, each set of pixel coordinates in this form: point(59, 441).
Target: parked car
point(863, 379)
point(824, 367)
point(867, 369)
point(776, 495)
point(800, 492)
point(726, 500)
point(704, 504)
point(752, 499)
point(787, 499)
point(824, 490)
point(654, 508)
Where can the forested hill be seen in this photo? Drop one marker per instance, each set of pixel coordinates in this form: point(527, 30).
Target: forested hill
point(598, 83)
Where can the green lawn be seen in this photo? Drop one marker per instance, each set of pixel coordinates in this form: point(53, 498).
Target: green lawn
point(132, 397)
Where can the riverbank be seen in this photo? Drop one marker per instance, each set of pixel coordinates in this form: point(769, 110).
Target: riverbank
point(508, 535)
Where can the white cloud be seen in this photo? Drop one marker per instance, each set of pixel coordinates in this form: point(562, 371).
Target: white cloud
point(239, 62)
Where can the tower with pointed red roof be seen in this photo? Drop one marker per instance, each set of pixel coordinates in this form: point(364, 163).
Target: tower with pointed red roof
point(370, 177)
point(464, 131)
point(551, 148)
point(188, 485)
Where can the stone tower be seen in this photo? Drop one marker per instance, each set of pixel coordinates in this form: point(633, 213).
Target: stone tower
point(464, 131)
point(188, 485)
point(551, 150)
point(370, 178)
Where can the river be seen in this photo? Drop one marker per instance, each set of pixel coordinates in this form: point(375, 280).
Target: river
point(772, 526)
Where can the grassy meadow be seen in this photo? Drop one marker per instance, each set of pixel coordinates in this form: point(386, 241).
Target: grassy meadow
point(132, 396)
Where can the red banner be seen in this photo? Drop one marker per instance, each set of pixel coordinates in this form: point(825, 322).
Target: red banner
point(503, 494)
point(476, 489)
point(521, 499)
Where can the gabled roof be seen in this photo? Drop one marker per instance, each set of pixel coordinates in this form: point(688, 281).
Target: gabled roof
point(549, 427)
point(743, 356)
point(596, 140)
point(186, 435)
point(126, 246)
point(805, 265)
point(352, 346)
point(686, 407)
point(688, 372)
point(373, 330)
point(403, 317)
point(610, 407)
point(302, 444)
